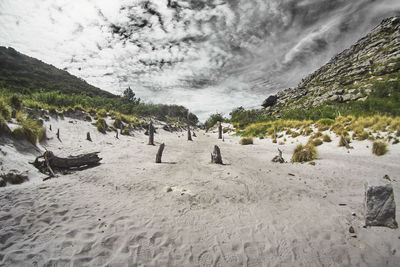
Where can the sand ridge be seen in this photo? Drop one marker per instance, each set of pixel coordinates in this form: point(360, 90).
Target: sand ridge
point(248, 212)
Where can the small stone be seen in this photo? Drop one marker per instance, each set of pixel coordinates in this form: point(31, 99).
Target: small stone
point(291, 174)
point(167, 189)
point(353, 214)
point(386, 177)
point(312, 163)
point(351, 230)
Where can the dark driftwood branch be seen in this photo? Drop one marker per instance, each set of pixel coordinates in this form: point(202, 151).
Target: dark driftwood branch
point(216, 156)
point(52, 162)
point(159, 153)
point(279, 158)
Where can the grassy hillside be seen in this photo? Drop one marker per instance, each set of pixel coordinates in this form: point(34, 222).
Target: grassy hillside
point(40, 85)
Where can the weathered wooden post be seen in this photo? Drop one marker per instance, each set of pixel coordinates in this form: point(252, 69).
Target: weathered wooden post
point(216, 156)
point(188, 133)
point(58, 134)
point(50, 128)
point(88, 137)
point(159, 153)
point(116, 135)
point(151, 134)
point(219, 130)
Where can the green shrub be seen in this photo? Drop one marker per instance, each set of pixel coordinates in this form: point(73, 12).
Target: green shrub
point(246, 141)
point(326, 138)
point(4, 110)
point(101, 125)
point(325, 122)
point(304, 153)
point(118, 124)
point(16, 102)
point(363, 136)
point(102, 113)
point(379, 148)
point(213, 119)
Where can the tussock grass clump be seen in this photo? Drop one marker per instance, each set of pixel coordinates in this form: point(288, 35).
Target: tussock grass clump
point(304, 153)
point(246, 141)
point(101, 125)
point(326, 138)
point(4, 129)
point(30, 130)
point(16, 102)
point(379, 148)
point(102, 113)
point(316, 142)
point(5, 111)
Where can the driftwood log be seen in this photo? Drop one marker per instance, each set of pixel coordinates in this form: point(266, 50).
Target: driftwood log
point(50, 162)
point(216, 156)
point(159, 153)
point(151, 134)
point(219, 130)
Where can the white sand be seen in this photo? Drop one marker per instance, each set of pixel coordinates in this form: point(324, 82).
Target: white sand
point(249, 212)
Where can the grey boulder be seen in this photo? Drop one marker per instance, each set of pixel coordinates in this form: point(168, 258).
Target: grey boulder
point(380, 208)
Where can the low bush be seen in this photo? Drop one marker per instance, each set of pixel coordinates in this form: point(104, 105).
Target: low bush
point(5, 111)
point(30, 130)
point(304, 153)
point(102, 113)
point(326, 138)
point(4, 129)
point(246, 141)
point(379, 148)
point(16, 102)
point(101, 125)
point(316, 142)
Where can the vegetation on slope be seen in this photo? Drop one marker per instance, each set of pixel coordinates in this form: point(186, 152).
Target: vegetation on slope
point(39, 85)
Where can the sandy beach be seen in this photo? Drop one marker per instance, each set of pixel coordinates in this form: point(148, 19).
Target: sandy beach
point(186, 211)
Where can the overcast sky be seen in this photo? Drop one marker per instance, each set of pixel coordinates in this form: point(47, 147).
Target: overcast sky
point(209, 55)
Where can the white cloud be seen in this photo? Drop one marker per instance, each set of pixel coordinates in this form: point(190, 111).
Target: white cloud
point(207, 55)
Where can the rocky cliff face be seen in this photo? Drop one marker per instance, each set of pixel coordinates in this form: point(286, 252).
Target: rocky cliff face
point(348, 76)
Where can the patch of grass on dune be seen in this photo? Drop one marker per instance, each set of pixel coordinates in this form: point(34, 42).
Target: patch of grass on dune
point(31, 130)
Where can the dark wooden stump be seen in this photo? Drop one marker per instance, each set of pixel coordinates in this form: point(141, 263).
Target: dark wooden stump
point(216, 156)
point(151, 134)
point(88, 137)
point(279, 158)
point(159, 153)
point(58, 134)
point(219, 130)
point(189, 133)
point(50, 128)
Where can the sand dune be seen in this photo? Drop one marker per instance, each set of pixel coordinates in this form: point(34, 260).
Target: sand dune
point(130, 211)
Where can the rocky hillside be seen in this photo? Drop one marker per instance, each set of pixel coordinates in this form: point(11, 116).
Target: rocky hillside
point(347, 77)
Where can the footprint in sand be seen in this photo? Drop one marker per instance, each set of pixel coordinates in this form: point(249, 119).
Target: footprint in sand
point(144, 250)
point(252, 253)
point(205, 259)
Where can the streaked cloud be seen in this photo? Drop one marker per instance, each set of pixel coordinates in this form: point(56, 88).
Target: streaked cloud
point(210, 55)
